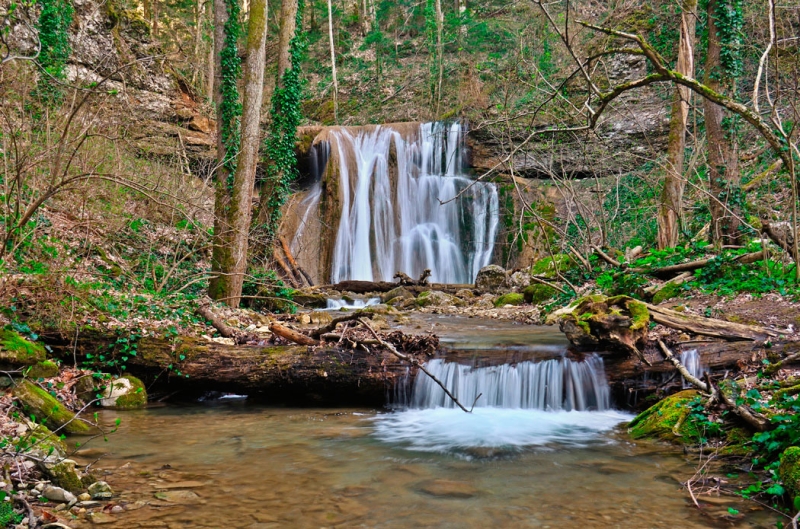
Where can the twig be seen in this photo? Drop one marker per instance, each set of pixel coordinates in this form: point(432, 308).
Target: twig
point(316, 333)
point(414, 362)
point(547, 283)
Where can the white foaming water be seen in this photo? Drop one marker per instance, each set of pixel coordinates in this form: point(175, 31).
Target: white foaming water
point(527, 404)
point(558, 384)
point(392, 219)
point(338, 304)
point(446, 429)
point(691, 361)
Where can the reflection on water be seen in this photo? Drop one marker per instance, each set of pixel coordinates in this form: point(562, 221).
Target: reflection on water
point(242, 466)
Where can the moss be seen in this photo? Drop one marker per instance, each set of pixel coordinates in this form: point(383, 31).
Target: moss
point(135, 398)
point(737, 442)
point(45, 369)
point(639, 314)
point(549, 266)
point(666, 420)
point(43, 439)
point(668, 291)
point(65, 475)
point(513, 298)
point(538, 293)
point(785, 392)
point(789, 471)
point(44, 406)
point(16, 349)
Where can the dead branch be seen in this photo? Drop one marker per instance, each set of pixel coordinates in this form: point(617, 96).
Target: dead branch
point(414, 362)
point(699, 384)
point(239, 337)
point(317, 333)
point(549, 284)
point(292, 335)
point(708, 326)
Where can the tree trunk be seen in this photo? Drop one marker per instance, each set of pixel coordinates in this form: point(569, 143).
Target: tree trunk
point(288, 23)
point(723, 163)
point(672, 195)
point(333, 66)
point(198, 25)
point(241, 195)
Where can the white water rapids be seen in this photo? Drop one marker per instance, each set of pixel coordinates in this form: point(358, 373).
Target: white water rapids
point(527, 404)
point(392, 186)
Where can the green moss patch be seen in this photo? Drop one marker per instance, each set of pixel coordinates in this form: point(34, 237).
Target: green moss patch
point(135, 397)
point(538, 293)
point(18, 350)
point(514, 298)
point(46, 369)
point(667, 420)
point(789, 471)
point(550, 266)
point(46, 408)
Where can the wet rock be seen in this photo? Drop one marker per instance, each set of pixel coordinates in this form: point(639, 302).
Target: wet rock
point(444, 488)
point(186, 497)
point(40, 403)
point(58, 494)
point(100, 518)
point(668, 420)
point(395, 293)
point(492, 278)
point(100, 490)
point(125, 393)
point(436, 298)
point(310, 300)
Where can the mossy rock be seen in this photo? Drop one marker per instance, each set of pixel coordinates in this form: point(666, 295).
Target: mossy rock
point(492, 278)
point(737, 442)
point(43, 440)
point(513, 298)
point(538, 293)
point(616, 323)
point(309, 300)
point(668, 291)
point(125, 393)
point(789, 471)
point(395, 293)
point(667, 420)
point(46, 369)
point(436, 298)
point(64, 474)
point(17, 350)
point(550, 266)
point(45, 407)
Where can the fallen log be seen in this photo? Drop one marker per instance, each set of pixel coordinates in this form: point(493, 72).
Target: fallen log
point(292, 335)
point(708, 326)
point(287, 374)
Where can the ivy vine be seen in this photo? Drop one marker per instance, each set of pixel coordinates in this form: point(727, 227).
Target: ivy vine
point(286, 116)
point(730, 22)
point(230, 107)
point(54, 21)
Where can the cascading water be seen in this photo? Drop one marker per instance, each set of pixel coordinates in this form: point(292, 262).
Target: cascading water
point(691, 361)
point(527, 404)
point(392, 187)
point(558, 384)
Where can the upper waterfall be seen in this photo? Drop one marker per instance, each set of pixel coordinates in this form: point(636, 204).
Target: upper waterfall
point(405, 203)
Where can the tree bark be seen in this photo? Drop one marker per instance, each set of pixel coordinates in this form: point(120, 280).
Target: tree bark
point(672, 195)
point(333, 65)
point(723, 162)
point(708, 326)
point(287, 30)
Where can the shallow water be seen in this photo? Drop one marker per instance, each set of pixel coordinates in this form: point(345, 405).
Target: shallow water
point(245, 466)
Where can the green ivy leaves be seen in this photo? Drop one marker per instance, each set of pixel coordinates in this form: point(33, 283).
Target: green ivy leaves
point(54, 21)
point(230, 106)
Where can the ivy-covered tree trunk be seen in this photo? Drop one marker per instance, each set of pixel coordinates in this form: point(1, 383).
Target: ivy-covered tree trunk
point(227, 71)
point(674, 182)
point(287, 30)
point(723, 160)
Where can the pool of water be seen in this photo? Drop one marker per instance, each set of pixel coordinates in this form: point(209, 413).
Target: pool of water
point(246, 466)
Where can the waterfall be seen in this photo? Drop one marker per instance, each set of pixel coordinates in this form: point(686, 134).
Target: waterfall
point(391, 182)
point(558, 384)
point(691, 361)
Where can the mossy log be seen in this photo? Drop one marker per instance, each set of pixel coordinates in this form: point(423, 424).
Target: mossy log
point(296, 374)
point(615, 323)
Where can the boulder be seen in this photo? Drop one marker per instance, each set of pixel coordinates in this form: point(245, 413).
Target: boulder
point(436, 298)
point(538, 293)
point(58, 494)
point(667, 420)
point(45, 407)
point(125, 393)
point(45, 369)
point(789, 472)
point(399, 292)
point(519, 280)
point(512, 298)
point(492, 278)
point(63, 473)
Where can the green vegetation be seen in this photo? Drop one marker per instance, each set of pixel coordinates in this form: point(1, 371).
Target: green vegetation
point(55, 18)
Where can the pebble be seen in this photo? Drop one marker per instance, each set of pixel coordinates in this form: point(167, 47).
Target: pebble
point(84, 496)
point(100, 490)
point(448, 489)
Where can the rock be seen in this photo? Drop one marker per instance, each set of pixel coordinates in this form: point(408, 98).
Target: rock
point(789, 471)
point(445, 488)
point(437, 298)
point(179, 496)
point(538, 293)
point(58, 494)
point(45, 442)
point(396, 293)
point(63, 473)
point(45, 369)
point(320, 317)
point(100, 518)
point(486, 301)
point(84, 496)
point(615, 323)
point(511, 299)
point(310, 300)
point(17, 350)
point(126, 393)
point(465, 294)
point(519, 280)
point(100, 490)
point(667, 420)
point(492, 278)
point(550, 266)
point(380, 308)
point(55, 415)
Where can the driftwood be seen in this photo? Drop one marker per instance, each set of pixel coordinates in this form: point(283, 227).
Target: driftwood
point(708, 326)
point(330, 327)
point(406, 281)
point(292, 335)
